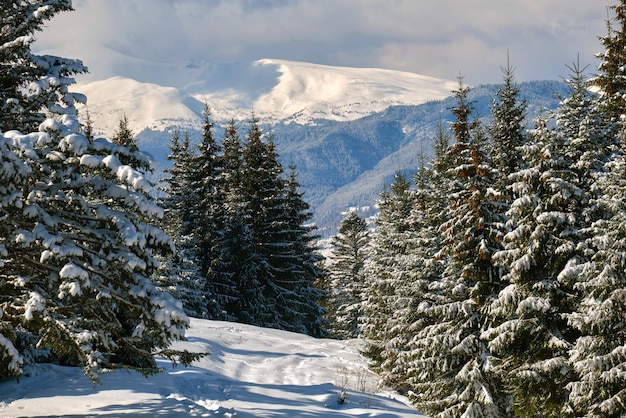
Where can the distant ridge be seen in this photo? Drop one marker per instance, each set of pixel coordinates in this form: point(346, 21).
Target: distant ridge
point(347, 130)
point(278, 91)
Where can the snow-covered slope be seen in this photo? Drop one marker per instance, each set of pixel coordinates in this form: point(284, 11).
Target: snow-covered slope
point(146, 105)
point(275, 90)
point(304, 91)
point(251, 372)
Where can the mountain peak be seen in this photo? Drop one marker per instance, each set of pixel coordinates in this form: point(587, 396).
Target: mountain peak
point(276, 90)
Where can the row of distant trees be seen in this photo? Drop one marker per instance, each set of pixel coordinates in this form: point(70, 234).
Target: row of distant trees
point(494, 283)
point(245, 249)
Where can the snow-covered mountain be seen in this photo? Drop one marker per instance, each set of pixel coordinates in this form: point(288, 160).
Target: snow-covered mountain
point(275, 90)
point(348, 130)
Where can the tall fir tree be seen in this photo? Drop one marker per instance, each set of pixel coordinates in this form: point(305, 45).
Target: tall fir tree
point(278, 290)
point(385, 277)
point(238, 239)
point(611, 79)
point(79, 244)
point(345, 283)
point(32, 87)
point(80, 253)
point(300, 265)
point(507, 132)
point(455, 375)
point(181, 273)
point(598, 356)
point(14, 347)
point(208, 227)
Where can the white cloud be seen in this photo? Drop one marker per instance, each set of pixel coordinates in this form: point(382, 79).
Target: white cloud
point(433, 38)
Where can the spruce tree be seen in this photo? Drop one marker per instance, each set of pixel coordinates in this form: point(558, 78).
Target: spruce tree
point(32, 86)
point(207, 201)
point(611, 79)
point(275, 266)
point(238, 239)
point(598, 356)
point(421, 265)
point(181, 273)
point(80, 253)
point(454, 376)
point(346, 278)
point(299, 264)
point(382, 278)
point(261, 203)
point(507, 132)
point(14, 175)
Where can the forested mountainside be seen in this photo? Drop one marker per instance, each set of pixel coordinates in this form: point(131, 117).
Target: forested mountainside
point(343, 164)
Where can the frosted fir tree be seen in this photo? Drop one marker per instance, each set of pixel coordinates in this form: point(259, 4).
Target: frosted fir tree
point(14, 175)
point(237, 239)
point(180, 273)
point(544, 251)
point(345, 282)
point(531, 335)
point(453, 364)
point(207, 201)
point(298, 265)
point(611, 78)
point(275, 284)
point(258, 207)
point(80, 253)
point(598, 357)
point(33, 86)
point(422, 265)
point(547, 249)
point(507, 132)
point(383, 271)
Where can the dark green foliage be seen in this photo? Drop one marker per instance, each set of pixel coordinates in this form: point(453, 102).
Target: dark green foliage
point(345, 282)
point(181, 273)
point(245, 228)
point(453, 359)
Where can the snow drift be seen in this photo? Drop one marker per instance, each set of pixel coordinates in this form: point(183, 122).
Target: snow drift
point(250, 372)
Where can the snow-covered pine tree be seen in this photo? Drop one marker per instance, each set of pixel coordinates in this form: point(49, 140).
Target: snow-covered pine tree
point(422, 265)
point(259, 206)
point(33, 86)
point(507, 132)
point(208, 202)
point(14, 174)
point(78, 246)
point(81, 251)
point(124, 135)
point(345, 282)
point(599, 357)
point(545, 252)
point(274, 296)
point(611, 79)
point(300, 265)
point(384, 271)
point(237, 239)
point(180, 274)
point(453, 364)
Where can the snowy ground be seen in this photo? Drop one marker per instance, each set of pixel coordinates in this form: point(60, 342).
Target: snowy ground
point(251, 372)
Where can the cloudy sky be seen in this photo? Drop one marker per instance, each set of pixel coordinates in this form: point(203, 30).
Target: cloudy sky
point(439, 38)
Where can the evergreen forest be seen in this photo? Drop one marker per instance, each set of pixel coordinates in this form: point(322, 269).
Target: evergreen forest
point(491, 283)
